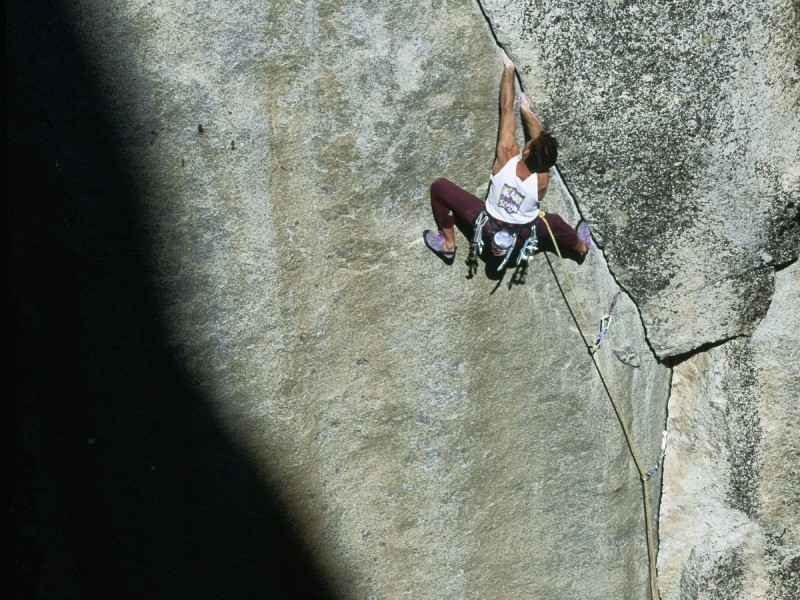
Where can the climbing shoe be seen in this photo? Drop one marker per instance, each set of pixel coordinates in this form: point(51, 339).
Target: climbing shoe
point(435, 241)
point(586, 236)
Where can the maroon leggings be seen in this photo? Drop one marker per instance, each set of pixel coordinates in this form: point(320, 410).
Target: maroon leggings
point(449, 200)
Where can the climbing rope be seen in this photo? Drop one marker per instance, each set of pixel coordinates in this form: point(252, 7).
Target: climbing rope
point(643, 475)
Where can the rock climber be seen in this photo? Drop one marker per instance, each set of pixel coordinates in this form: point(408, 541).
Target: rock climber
point(517, 186)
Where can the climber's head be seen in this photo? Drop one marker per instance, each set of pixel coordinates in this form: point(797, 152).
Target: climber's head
point(540, 153)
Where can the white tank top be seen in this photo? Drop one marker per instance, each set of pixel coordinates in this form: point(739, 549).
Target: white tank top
point(511, 199)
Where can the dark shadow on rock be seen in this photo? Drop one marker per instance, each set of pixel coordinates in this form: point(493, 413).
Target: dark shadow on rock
point(123, 483)
point(546, 245)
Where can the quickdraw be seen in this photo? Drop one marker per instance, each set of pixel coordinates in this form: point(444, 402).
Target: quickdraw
point(525, 254)
point(476, 247)
point(605, 322)
point(661, 457)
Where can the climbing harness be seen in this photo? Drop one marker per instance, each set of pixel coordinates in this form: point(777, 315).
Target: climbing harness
point(653, 591)
point(526, 252)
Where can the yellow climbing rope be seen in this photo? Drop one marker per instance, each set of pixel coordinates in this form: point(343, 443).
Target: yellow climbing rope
point(653, 592)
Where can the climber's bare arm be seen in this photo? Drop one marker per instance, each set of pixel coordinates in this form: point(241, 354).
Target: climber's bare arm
point(507, 146)
point(531, 125)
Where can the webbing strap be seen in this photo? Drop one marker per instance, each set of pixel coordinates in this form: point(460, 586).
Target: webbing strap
point(653, 592)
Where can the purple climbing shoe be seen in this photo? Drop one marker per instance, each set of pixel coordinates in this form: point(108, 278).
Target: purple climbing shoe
point(435, 241)
point(584, 234)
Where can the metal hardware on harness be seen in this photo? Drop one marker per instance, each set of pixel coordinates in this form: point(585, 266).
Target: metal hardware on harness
point(529, 247)
point(525, 254)
point(508, 253)
point(477, 236)
point(472, 262)
point(476, 247)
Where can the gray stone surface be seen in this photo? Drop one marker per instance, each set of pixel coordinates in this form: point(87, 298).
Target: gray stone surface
point(730, 515)
point(681, 142)
point(429, 437)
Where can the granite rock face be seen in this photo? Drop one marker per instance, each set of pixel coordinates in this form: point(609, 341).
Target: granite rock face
point(425, 434)
point(681, 142)
point(730, 515)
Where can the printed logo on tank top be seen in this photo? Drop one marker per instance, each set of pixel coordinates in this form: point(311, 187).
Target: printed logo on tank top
point(510, 199)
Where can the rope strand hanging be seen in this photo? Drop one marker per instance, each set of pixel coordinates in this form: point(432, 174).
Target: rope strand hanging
point(644, 475)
